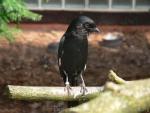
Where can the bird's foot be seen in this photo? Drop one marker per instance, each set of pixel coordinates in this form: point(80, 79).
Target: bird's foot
point(83, 89)
point(68, 89)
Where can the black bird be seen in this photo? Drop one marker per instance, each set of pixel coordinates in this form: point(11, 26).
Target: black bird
point(73, 51)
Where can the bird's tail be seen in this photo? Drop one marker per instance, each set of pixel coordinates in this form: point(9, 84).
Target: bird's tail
point(74, 81)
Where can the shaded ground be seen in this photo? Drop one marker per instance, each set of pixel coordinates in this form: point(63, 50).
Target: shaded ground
point(31, 60)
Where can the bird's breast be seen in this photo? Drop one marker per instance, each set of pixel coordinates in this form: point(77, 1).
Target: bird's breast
point(76, 46)
point(74, 54)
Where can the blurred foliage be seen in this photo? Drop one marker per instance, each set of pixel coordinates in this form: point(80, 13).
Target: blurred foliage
point(45, 0)
point(13, 11)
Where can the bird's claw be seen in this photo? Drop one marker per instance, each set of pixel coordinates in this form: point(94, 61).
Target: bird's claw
point(83, 89)
point(68, 89)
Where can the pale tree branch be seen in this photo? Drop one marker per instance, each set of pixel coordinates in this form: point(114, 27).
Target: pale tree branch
point(118, 97)
point(54, 93)
point(50, 93)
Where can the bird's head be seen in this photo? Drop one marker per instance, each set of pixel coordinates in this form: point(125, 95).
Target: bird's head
point(83, 24)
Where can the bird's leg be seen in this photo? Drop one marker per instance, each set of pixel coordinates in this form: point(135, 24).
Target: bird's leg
point(83, 87)
point(67, 85)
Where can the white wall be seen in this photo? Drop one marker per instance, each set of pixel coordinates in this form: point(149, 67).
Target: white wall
point(91, 5)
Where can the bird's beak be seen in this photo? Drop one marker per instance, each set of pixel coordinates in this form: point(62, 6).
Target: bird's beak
point(96, 30)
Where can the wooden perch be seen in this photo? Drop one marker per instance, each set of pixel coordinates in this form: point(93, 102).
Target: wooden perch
point(50, 93)
point(54, 93)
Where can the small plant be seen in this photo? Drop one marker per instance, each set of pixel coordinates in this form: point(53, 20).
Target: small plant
point(13, 11)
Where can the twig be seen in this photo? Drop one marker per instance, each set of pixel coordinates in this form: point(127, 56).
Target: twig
point(114, 78)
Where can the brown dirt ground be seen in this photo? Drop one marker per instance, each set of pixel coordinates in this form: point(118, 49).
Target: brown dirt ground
point(31, 60)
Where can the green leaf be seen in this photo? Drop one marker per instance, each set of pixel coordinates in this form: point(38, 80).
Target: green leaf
point(13, 11)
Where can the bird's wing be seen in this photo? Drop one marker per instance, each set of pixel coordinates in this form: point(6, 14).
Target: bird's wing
point(60, 50)
point(60, 54)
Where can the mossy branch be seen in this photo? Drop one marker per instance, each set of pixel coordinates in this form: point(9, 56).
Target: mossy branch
point(50, 93)
point(54, 93)
point(118, 96)
point(125, 97)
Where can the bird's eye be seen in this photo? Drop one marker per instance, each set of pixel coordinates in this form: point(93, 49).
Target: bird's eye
point(86, 25)
point(89, 25)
